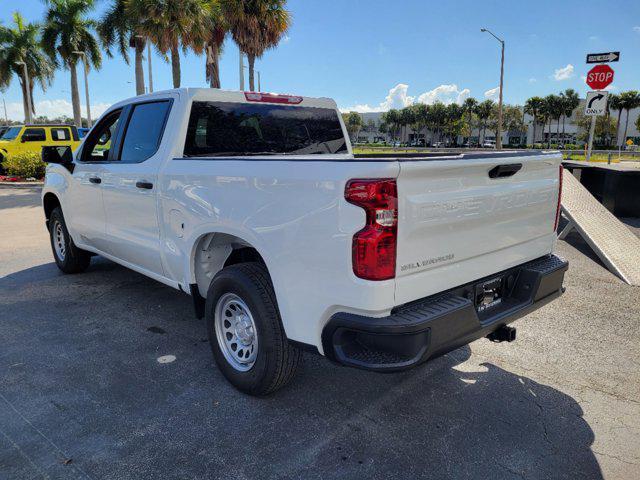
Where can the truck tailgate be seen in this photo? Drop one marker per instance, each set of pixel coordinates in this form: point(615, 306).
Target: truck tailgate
point(465, 218)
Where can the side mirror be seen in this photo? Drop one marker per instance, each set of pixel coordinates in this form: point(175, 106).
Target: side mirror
point(61, 155)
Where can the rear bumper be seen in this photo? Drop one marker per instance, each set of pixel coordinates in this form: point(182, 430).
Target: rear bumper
point(432, 326)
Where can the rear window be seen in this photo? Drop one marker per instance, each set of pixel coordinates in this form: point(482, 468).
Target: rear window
point(228, 129)
point(59, 134)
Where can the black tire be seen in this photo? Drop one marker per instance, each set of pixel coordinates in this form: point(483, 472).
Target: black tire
point(74, 259)
point(277, 359)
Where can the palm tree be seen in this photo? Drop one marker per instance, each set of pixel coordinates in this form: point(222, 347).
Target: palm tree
point(628, 101)
point(483, 111)
point(21, 43)
point(533, 107)
point(554, 110)
point(172, 24)
point(118, 27)
point(67, 31)
point(615, 104)
point(218, 28)
point(469, 106)
point(256, 26)
point(569, 102)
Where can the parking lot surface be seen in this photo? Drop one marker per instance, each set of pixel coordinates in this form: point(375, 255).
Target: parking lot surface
point(82, 394)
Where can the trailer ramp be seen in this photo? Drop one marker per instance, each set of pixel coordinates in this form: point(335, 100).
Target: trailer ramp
point(616, 245)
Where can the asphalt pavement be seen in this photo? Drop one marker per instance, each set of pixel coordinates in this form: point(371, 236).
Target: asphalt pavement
point(83, 395)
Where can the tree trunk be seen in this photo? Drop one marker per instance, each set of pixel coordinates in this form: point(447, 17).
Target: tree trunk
point(252, 61)
point(75, 96)
point(25, 104)
point(140, 44)
point(626, 124)
point(175, 65)
point(213, 66)
point(533, 142)
point(564, 118)
point(618, 128)
point(558, 131)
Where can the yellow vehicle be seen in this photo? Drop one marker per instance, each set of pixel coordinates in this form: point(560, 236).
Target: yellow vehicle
point(31, 138)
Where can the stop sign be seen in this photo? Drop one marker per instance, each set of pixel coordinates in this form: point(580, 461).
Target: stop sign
point(599, 77)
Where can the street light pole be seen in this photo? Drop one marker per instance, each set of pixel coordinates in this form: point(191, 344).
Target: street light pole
point(27, 118)
point(499, 133)
point(86, 85)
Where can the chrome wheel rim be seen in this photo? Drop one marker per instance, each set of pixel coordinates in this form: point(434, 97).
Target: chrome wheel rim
point(236, 332)
point(58, 241)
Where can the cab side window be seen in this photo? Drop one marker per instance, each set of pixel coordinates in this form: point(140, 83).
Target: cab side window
point(60, 134)
point(144, 131)
point(34, 135)
point(97, 146)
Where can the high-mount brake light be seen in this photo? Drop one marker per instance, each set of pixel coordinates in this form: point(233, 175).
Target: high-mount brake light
point(374, 247)
point(559, 205)
point(272, 98)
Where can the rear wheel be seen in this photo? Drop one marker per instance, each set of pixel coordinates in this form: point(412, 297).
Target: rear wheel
point(245, 331)
point(68, 257)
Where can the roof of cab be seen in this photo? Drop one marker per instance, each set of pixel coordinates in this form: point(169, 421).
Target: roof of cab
point(214, 94)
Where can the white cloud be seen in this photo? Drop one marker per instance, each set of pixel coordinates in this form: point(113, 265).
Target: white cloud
point(533, 80)
point(636, 29)
point(446, 94)
point(593, 38)
point(492, 94)
point(398, 97)
point(563, 73)
point(54, 108)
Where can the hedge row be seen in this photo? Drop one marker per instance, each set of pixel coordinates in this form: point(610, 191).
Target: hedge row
point(25, 165)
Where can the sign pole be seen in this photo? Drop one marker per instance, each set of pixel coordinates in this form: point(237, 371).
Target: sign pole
point(592, 132)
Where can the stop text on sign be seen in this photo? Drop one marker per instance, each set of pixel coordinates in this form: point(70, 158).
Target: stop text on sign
point(599, 77)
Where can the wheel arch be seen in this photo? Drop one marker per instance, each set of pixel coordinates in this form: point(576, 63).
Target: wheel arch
point(50, 202)
point(213, 251)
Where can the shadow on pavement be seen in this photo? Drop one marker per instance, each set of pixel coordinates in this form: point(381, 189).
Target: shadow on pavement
point(79, 371)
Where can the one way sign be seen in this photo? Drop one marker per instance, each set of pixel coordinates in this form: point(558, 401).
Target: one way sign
point(603, 57)
point(596, 104)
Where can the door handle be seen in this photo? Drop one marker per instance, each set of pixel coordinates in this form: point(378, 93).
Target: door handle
point(144, 185)
point(95, 180)
point(502, 171)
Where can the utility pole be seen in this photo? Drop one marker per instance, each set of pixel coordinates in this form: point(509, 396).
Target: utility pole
point(6, 118)
point(86, 85)
point(27, 118)
point(241, 70)
point(499, 133)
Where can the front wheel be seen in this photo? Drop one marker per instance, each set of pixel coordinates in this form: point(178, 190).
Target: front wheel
point(68, 257)
point(245, 331)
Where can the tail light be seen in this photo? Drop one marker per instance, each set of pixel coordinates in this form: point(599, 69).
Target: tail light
point(560, 173)
point(374, 247)
point(272, 98)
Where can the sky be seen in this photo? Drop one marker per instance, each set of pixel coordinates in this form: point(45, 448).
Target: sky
point(372, 55)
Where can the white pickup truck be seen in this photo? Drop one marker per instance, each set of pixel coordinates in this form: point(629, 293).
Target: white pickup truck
point(255, 205)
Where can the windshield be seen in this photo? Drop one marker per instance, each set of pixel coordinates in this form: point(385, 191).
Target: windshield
point(11, 133)
point(228, 129)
